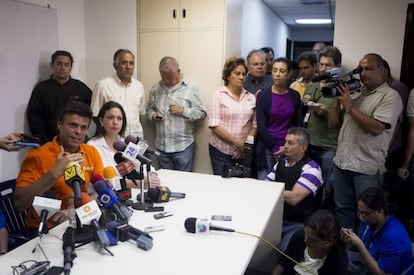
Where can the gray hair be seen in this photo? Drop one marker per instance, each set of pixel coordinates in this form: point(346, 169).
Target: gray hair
point(302, 133)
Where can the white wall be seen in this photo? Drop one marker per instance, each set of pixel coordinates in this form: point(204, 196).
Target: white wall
point(262, 27)
point(371, 26)
point(110, 25)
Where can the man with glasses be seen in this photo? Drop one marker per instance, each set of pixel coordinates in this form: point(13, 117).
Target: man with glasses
point(257, 79)
point(368, 122)
point(43, 168)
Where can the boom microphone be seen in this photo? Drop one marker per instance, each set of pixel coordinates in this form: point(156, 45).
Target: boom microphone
point(141, 142)
point(75, 178)
point(110, 200)
point(202, 225)
point(163, 194)
point(124, 232)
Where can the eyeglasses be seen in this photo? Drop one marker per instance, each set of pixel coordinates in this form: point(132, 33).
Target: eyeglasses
point(364, 214)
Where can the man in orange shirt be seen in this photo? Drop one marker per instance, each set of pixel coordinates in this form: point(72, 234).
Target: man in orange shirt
point(43, 168)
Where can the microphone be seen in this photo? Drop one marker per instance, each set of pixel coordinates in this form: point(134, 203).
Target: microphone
point(45, 208)
point(68, 250)
point(89, 214)
point(75, 178)
point(163, 194)
point(202, 225)
point(131, 151)
point(124, 232)
point(110, 200)
point(110, 175)
point(143, 144)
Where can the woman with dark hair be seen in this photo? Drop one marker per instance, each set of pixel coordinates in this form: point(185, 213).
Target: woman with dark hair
point(231, 114)
point(278, 108)
point(383, 246)
point(112, 125)
point(317, 248)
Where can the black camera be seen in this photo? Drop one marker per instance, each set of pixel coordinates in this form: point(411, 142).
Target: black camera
point(334, 79)
point(241, 167)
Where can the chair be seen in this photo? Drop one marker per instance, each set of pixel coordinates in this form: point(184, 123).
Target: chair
point(15, 225)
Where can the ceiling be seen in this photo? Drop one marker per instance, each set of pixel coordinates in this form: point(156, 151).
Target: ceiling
point(288, 10)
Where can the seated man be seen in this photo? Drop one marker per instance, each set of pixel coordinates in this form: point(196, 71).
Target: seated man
point(302, 177)
point(43, 168)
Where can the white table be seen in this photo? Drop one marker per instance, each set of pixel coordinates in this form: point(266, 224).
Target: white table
point(255, 206)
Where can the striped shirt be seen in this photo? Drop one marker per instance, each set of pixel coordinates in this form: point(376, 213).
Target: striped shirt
point(175, 132)
point(310, 176)
point(236, 117)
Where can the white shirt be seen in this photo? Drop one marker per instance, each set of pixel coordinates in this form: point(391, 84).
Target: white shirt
point(131, 97)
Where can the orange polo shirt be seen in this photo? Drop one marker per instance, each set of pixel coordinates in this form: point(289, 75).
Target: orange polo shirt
point(39, 161)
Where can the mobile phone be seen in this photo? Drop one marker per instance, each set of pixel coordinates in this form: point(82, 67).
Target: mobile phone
point(27, 144)
point(159, 117)
point(154, 209)
point(162, 215)
point(29, 138)
point(221, 218)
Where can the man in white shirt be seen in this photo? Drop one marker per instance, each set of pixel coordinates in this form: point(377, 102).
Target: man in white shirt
point(124, 89)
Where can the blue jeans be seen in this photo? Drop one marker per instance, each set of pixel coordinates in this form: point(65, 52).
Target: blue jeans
point(347, 186)
point(182, 161)
point(325, 159)
point(218, 159)
point(270, 161)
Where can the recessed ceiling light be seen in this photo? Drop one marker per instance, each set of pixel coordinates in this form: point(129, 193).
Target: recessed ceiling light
point(313, 21)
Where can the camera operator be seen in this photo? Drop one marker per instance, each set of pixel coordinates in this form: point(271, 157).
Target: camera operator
point(323, 140)
point(367, 128)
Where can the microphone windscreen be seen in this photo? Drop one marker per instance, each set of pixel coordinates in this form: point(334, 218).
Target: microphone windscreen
point(132, 139)
point(109, 172)
point(118, 157)
point(119, 145)
point(96, 177)
point(100, 187)
point(190, 225)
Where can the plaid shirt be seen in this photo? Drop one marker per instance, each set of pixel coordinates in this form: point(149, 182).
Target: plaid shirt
point(175, 133)
point(236, 117)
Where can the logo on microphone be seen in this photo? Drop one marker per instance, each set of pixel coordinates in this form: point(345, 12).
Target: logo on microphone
point(202, 225)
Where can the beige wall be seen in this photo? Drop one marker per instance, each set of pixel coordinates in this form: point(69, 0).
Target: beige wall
point(364, 26)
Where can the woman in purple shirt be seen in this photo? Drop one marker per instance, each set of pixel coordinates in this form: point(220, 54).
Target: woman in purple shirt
point(277, 109)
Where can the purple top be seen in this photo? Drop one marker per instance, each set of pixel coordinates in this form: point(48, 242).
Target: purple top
point(280, 118)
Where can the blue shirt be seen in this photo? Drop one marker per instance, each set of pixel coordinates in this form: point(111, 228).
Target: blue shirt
point(390, 247)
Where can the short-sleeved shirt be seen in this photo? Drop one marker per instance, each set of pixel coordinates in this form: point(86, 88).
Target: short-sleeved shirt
point(253, 85)
point(236, 117)
point(39, 161)
point(130, 96)
point(358, 150)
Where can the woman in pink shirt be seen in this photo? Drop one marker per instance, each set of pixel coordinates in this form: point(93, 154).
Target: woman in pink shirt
point(231, 117)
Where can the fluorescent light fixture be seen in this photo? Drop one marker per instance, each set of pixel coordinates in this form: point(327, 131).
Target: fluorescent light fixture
point(313, 21)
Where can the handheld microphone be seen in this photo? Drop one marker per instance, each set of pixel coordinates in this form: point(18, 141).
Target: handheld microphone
point(45, 208)
point(202, 226)
point(68, 249)
point(75, 178)
point(142, 144)
point(131, 151)
point(163, 194)
point(110, 200)
point(124, 232)
point(89, 214)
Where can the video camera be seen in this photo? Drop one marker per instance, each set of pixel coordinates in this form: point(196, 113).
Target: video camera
point(334, 78)
point(242, 166)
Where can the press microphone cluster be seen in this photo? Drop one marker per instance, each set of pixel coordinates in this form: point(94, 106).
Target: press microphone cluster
point(124, 232)
point(202, 226)
point(45, 208)
point(131, 151)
